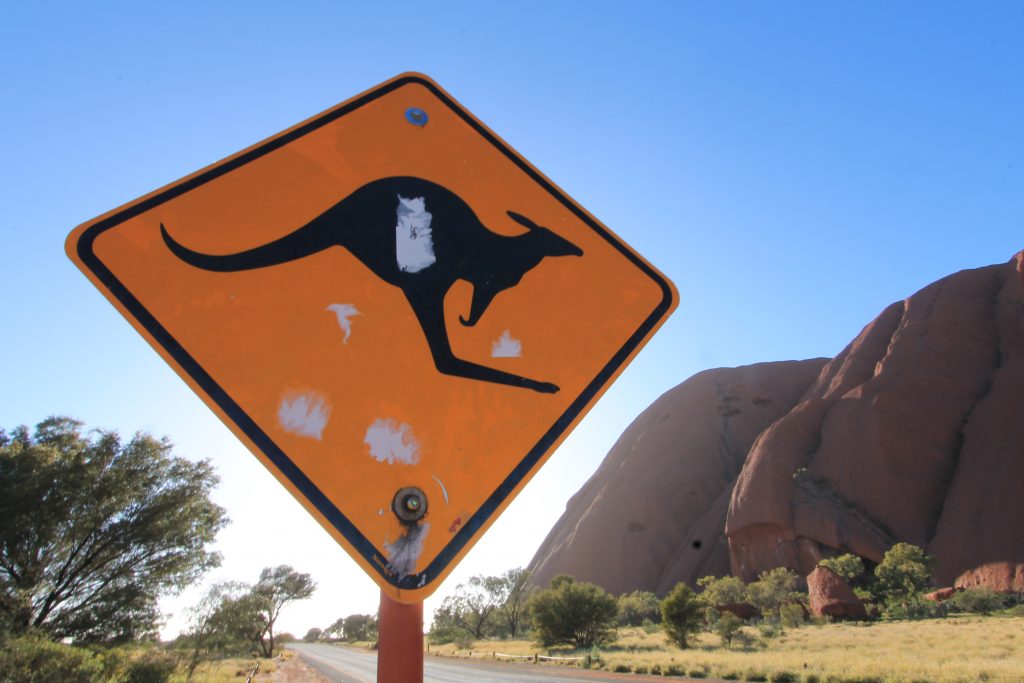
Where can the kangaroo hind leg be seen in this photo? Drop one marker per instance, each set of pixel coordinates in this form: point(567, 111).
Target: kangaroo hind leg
point(430, 314)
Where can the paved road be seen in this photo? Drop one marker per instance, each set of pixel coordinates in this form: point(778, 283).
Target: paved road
point(345, 665)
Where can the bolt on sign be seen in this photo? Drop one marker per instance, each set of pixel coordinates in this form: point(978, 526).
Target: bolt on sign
point(396, 313)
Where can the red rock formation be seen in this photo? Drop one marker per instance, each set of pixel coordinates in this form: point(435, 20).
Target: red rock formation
point(915, 433)
point(1004, 577)
point(830, 596)
point(654, 512)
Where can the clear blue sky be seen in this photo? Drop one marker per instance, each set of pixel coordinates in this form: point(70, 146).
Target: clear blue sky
point(793, 167)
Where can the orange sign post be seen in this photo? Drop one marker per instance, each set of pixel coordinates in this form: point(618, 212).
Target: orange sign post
point(396, 313)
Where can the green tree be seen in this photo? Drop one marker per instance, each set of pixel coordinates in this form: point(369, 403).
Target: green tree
point(360, 628)
point(473, 605)
point(774, 588)
point(902, 576)
point(719, 591)
point(276, 588)
point(313, 635)
point(571, 612)
point(726, 627)
point(637, 607)
point(847, 566)
point(224, 623)
point(513, 595)
point(94, 530)
point(681, 614)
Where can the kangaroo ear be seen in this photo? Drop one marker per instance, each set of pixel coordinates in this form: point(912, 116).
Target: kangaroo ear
point(522, 220)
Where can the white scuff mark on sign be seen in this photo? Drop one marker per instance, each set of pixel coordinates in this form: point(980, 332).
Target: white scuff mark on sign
point(414, 244)
point(443, 489)
point(403, 553)
point(345, 313)
point(304, 413)
point(391, 441)
point(423, 581)
point(506, 346)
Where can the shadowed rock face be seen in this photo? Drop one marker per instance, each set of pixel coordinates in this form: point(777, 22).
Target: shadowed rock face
point(654, 512)
point(915, 432)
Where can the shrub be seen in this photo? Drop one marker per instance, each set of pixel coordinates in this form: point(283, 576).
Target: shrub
point(680, 614)
point(773, 589)
point(33, 659)
point(638, 607)
point(726, 590)
point(791, 615)
point(640, 669)
point(155, 666)
point(782, 677)
point(574, 613)
point(752, 675)
point(982, 600)
point(846, 566)
point(697, 673)
point(621, 669)
point(673, 670)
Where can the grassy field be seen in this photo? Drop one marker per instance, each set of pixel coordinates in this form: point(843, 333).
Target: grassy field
point(232, 670)
point(966, 648)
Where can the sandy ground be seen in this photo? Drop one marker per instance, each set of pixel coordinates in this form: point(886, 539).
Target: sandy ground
point(293, 670)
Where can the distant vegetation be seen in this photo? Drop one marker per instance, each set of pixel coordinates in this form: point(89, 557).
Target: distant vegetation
point(235, 619)
point(736, 630)
point(94, 530)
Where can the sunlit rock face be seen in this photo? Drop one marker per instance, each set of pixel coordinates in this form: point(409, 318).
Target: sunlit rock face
point(914, 432)
point(654, 512)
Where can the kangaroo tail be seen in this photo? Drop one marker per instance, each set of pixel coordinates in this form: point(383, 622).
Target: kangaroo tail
point(305, 241)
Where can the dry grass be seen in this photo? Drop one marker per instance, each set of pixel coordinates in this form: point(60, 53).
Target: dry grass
point(968, 648)
point(231, 671)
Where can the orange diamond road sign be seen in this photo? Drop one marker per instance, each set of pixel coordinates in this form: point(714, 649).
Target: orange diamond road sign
point(397, 313)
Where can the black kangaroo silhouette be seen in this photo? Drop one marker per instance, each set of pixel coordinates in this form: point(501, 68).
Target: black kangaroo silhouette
point(419, 237)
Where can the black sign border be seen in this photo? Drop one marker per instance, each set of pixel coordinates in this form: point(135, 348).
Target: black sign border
point(281, 461)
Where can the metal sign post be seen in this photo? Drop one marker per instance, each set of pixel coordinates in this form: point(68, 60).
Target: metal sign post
point(399, 642)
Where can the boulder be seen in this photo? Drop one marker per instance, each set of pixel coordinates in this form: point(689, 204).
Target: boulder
point(830, 596)
point(941, 595)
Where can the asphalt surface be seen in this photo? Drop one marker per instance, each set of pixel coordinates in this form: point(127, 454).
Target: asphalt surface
point(347, 665)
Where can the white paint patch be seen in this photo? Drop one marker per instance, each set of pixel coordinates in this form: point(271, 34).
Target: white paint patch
point(403, 553)
point(304, 413)
point(506, 347)
point(414, 245)
point(391, 442)
point(443, 489)
point(345, 313)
